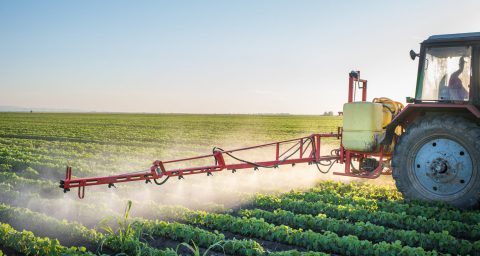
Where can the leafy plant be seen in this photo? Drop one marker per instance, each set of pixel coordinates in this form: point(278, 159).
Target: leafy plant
point(195, 250)
point(126, 238)
point(125, 230)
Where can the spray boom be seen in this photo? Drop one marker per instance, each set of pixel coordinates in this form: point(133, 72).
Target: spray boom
point(301, 150)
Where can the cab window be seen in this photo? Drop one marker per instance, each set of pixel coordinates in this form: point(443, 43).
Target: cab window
point(447, 73)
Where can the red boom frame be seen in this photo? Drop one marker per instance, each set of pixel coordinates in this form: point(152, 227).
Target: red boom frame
point(308, 151)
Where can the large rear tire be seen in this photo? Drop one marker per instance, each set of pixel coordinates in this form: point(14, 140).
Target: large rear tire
point(437, 159)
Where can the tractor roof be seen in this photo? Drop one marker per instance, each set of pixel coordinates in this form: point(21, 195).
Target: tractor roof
point(461, 37)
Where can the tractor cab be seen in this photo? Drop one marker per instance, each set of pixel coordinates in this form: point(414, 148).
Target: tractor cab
point(448, 70)
point(448, 81)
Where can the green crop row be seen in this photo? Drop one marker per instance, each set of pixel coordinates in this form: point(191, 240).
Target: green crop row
point(361, 189)
point(71, 231)
point(441, 242)
point(372, 191)
point(37, 222)
point(387, 206)
point(393, 220)
point(186, 233)
point(376, 192)
point(27, 243)
point(310, 240)
point(21, 183)
point(70, 209)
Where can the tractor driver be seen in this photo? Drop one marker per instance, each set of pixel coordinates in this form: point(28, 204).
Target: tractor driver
point(455, 85)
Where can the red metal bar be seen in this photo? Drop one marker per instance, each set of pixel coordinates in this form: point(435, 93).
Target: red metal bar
point(348, 162)
point(81, 191)
point(350, 89)
point(277, 151)
point(342, 154)
point(364, 90)
point(301, 148)
point(219, 159)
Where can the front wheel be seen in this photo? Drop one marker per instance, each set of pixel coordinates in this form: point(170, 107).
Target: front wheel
point(437, 159)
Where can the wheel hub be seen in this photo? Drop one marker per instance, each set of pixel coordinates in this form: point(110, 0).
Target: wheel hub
point(443, 167)
point(440, 170)
point(439, 166)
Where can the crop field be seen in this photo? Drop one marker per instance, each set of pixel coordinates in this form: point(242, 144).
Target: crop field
point(285, 211)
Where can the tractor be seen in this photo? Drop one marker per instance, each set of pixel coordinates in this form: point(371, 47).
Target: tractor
point(431, 146)
point(438, 155)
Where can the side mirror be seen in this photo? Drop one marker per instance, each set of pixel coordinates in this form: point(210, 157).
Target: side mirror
point(413, 54)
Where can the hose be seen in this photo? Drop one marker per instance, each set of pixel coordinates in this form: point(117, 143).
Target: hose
point(393, 106)
point(330, 163)
point(162, 182)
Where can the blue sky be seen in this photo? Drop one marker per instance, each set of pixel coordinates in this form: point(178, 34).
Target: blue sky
point(214, 56)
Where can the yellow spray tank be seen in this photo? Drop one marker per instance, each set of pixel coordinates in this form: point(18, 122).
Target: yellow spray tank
point(364, 124)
